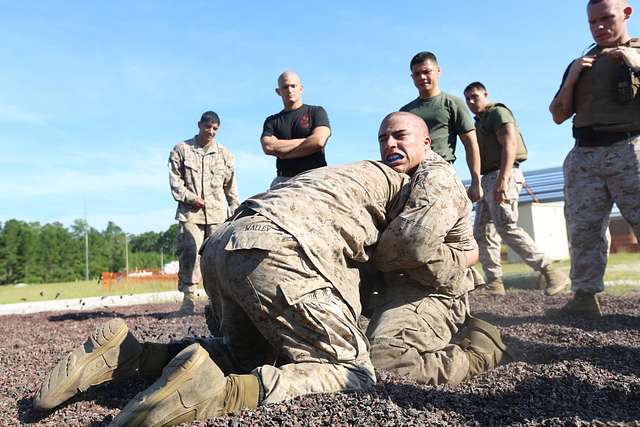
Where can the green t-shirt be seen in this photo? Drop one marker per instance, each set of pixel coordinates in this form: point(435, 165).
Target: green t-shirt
point(447, 117)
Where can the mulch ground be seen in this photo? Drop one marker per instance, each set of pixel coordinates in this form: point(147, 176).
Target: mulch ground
point(567, 373)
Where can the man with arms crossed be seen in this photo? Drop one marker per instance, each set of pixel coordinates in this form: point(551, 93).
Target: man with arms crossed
point(501, 151)
point(600, 91)
point(202, 178)
point(296, 136)
point(445, 116)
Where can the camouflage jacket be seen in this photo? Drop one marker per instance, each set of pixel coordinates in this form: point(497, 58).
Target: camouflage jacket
point(336, 214)
point(210, 176)
point(427, 240)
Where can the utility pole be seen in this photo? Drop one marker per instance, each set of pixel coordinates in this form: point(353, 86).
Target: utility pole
point(86, 243)
point(126, 254)
point(161, 259)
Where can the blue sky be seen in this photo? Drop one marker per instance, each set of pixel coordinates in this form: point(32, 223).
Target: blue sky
point(93, 95)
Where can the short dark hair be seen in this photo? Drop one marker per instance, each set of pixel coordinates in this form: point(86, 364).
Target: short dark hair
point(422, 57)
point(209, 117)
point(474, 85)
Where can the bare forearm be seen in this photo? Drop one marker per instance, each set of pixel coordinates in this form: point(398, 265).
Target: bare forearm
point(561, 107)
point(273, 146)
point(508, 139)
point(506, 164)
point(313, 143)
point(472, 154)
point(309, 146)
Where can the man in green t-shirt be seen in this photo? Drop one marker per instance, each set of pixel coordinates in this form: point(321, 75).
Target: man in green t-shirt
point(501, 151)
point(445, 116)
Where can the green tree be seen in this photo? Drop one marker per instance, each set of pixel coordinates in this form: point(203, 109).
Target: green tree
point(168, 241)
point(60, 255)
point(3, 256)
point(18, 251)
point(145, 242)
point(30, 252)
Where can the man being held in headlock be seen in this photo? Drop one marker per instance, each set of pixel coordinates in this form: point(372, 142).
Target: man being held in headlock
point(426, 254)
point(284, 271)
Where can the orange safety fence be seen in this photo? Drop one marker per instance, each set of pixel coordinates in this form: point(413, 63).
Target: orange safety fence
point(108, 278)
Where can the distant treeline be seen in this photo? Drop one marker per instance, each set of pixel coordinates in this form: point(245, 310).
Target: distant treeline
point(35, 253)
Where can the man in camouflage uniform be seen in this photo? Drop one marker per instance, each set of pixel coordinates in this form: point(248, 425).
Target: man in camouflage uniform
point(426, 254)
point(600, 91)
point(284, 273)
point(202, 176)
point(502, 150)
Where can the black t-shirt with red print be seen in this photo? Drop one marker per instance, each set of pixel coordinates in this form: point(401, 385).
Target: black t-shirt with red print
point(296, 124)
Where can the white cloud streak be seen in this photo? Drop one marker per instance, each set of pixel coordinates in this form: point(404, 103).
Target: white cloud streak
point(16, 115)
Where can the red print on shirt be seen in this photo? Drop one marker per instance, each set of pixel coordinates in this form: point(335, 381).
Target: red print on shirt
point(304, 121)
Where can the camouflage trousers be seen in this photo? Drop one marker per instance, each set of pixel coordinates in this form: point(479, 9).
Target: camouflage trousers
point(279, 318)
point(594, 179)
point(188, 241)
point(497, 222)
point(411, 335)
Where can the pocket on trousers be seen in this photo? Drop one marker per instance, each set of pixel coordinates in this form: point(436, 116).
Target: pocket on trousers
point(508, 212)
point(432, 316)
point(303, 287)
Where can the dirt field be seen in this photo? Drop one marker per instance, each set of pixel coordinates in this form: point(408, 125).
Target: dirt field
point(567, 372)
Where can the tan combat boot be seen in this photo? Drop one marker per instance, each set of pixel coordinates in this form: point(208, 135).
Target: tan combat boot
point(192, 387)
point(555, 281)
point(495, 287)
point(111, 352)
point(582, 304)
point(188, 306)
point(484, 347)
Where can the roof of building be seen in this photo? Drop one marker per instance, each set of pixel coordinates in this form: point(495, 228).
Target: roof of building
point(544, 186)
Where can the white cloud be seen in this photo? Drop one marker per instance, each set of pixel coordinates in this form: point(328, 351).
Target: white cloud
point(135, 222)
point(60, 181)
point(72, 171)
point(17, 115)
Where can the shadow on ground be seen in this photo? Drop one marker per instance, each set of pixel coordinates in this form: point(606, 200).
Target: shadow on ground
point(114, 395)
point(88, 315)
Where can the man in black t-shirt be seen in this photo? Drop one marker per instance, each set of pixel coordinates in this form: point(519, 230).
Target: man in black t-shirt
point(297, 134)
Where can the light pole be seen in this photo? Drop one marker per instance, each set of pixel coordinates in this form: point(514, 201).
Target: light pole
point(126, 254)
point(86, 243)
point(86, 253)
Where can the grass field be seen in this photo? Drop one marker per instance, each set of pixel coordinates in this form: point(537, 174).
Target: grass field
point(10, 294)
point(623, 274)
